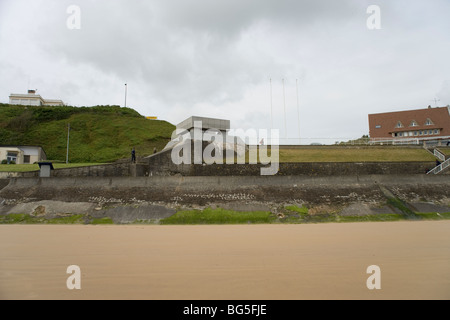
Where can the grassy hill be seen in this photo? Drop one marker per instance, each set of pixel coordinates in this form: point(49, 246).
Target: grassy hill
point(98, 134)
point(106, 133)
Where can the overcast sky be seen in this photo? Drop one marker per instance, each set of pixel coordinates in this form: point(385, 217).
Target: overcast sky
point(215, 58)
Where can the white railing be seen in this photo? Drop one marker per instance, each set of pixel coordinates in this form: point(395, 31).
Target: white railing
point(398, 141)
point(411, 140)
point(438, 154)
point(444, 165)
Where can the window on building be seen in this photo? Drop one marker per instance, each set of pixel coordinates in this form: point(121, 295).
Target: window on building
point(399, 125)
point(11, 156)
point(416, 133)
point(429, 122)
point(430, 131)
point(436, 131)
point(400, 134)
point(413, 123)
point(377, 126)
point(26, 159)
point(420, 132)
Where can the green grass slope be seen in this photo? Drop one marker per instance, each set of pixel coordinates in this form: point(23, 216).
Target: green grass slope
point(98, 134)
point(356, 154)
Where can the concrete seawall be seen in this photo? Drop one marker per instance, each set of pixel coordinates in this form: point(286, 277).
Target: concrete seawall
point(179, 190)
point(129, 199)
point(220, 182)
point(167, 168)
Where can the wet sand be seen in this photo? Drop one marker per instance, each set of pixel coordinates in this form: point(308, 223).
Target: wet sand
point(320, 261)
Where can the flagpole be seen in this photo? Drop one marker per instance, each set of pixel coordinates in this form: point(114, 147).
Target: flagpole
point(285, 123)
point(298, 112)
point(271, 107)
point(68, 137)
point(125, 95)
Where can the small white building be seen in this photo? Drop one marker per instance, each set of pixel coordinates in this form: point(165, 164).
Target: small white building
point(22, 154)
point(33, 99)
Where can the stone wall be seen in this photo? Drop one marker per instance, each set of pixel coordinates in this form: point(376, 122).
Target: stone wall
point(315, 168)
point(179, 190)
point(3, 183)
point(107, 170)
point(124, 169)
point(161, 164)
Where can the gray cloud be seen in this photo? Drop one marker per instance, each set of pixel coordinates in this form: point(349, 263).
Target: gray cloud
point(192, 47)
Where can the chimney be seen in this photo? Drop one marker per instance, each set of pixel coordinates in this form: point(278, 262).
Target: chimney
point(429, 107)
point(31, 91)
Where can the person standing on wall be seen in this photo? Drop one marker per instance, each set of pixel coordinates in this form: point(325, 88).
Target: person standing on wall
point(133, 156)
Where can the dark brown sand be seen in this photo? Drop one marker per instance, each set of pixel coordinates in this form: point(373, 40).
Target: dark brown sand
point(320, 261)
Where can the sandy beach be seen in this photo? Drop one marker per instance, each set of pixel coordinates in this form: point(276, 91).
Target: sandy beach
point(317, 261)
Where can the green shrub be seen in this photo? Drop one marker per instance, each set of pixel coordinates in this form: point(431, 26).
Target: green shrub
point(302, 210)
point(218, 216)
point(104, 220)
point(6, 162)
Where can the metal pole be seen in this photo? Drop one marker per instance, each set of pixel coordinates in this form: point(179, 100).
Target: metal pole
point(125, 95)
point(284, 103)
point(271, 106)
point(298, 112)
point(68, 137)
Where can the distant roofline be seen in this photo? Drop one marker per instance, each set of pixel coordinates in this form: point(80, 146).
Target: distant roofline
point(411, 110)
point(33, 96)
point(207, 123)
point(19, 145)
point(25, 95)
point(208, 118)
point(22, 145)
